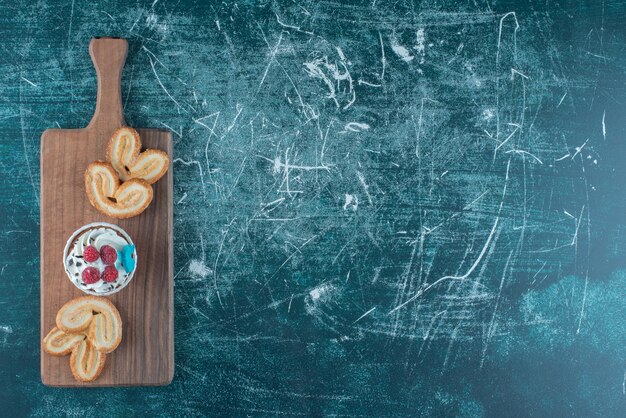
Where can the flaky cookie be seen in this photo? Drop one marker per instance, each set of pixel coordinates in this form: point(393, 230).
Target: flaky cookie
point(124, 146)
point(86, 362)
point(109, 197)
point(59, 343)
point(105, 332)
point(121, 188)
point(103, 329)
point(123, 151)
point(88, 327)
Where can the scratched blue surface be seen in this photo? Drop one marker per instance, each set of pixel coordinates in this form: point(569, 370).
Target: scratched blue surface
point(384, 208)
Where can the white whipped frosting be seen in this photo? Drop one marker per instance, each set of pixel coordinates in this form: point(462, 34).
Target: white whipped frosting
point(75, 264)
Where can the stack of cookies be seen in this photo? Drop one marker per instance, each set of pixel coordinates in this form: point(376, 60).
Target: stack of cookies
point(88, 327)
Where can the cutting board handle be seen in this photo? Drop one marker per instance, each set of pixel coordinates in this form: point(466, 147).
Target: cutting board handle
point(108, 56)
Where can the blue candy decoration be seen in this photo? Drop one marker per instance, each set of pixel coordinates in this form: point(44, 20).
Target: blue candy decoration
point(126, 255)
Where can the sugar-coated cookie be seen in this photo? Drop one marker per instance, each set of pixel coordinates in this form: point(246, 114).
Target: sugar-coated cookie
point(121, 188)
point(109, 197)
point(88, 327)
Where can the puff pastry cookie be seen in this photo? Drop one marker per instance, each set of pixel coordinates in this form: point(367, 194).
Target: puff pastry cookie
point(107, 195)
point(86, 362)
point(58, 343)
point(88, 327)
point(121, 187)
point(124, 154)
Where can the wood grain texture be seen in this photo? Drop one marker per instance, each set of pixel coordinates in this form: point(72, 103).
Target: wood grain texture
point(146, 354)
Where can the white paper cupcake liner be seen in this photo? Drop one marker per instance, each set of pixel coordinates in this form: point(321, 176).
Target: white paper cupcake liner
point(73, 239)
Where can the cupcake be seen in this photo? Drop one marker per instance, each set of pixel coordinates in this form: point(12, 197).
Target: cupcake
point(100, 259)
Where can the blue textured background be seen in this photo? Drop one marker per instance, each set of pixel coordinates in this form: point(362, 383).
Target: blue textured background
point(385, 208)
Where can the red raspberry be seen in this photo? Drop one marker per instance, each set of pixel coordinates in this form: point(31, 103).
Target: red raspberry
point(109, 274)
point(108, 254)
point(90, 275)
point(91, 254)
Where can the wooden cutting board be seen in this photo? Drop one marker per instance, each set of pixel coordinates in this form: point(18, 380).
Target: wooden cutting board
point(146, 354)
